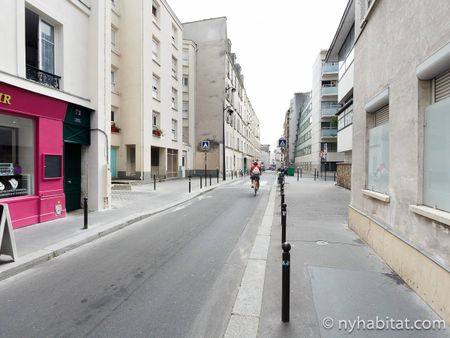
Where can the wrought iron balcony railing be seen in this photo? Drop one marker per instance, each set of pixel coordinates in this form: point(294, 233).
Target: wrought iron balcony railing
point(43, 77)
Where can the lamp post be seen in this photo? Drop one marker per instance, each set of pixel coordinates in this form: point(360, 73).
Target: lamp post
point(229, 110)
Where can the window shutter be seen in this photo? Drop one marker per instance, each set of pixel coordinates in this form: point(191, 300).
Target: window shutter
point(442, 86)
point(382, 116)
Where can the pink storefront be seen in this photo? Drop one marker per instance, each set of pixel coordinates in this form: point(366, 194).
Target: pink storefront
point(31, 155)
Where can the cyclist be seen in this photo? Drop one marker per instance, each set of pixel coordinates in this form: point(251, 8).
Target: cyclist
point(255, 172)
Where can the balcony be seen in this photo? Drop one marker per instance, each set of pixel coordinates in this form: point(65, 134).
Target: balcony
point(329, 90)
point(330, 111)
point(329, 132)
point(329, 68)
point(43, 77)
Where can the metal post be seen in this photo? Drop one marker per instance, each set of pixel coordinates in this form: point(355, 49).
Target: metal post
point(285, 288)
point(232, 174)
point(325, 173)
point(189, 184)
point(209, 180)
point(217, 175)
point(206, 170)
point(282, 197)
point(85, 212)
point(283, 222)
point(154, 182)
point(301, 172)
point(201, 181)
point(334, 176)
point(298, 174)
point(315, 170)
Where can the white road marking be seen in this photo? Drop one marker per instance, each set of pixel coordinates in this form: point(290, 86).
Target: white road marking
point(182, 207)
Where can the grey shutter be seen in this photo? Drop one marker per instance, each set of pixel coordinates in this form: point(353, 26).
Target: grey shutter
point(442, 86)
point(382, 116)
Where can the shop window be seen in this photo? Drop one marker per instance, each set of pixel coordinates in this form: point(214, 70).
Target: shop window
point(40, 50)
point(16, 156)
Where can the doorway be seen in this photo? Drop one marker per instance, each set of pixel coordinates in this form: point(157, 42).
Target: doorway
point(72, 175)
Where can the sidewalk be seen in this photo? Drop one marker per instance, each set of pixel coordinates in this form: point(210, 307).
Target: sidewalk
point(338, 284)
point(41, 242)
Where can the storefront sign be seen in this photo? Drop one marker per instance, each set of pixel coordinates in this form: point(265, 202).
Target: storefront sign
point(5, 98)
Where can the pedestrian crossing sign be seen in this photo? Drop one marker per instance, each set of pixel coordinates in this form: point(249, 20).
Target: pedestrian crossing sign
point(282, 142)
point(205, 145)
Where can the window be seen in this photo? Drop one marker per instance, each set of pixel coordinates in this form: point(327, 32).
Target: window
point(16, 156)
point(174, 99)
point(155, 119)
point(174, 67)
point(436, 172)
point(155, 87)
point(174, 129)
point(174, 35)
point(186, 135)
point(113, 36)
point(185, 82)
point(40, 50)
point(155, 49)
point(345, 118)
point(378, 156)
point(113, 79)
point(185, 57)
point(185, 109)
point(155, 11)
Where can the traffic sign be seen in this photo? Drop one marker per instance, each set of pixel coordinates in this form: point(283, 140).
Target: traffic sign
point(205, 145)
point(282, 142)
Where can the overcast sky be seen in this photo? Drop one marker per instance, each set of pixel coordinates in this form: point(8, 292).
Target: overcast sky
point(276, 43)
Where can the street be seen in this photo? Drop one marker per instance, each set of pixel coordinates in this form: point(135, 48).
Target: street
point(175, 274)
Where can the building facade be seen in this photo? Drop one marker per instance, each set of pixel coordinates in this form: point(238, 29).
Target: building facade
point(400, 201)
point(318, 146)
point(224, 114)
point(265, 155)
point(54, 131)
point(342, 51)
point(293, 113)
point(147, 91)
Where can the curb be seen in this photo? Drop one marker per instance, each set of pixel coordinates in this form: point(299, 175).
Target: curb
point(26, 262)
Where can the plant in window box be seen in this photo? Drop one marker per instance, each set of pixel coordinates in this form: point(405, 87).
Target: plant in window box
point(157, 132)
point(114, 128)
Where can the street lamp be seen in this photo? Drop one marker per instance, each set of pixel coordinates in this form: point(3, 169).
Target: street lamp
point(229, 110)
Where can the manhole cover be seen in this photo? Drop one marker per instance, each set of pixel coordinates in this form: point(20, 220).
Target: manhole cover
point(322, 243)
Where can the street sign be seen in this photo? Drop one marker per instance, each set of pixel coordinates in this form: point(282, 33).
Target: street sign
point(205, 145)
point(282, 142)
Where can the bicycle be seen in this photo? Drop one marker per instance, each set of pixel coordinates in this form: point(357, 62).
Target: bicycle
point(255, 182)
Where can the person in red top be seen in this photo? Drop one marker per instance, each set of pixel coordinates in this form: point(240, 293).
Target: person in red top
point(255, 173)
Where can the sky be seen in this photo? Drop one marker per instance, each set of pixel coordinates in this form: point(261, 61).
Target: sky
point(276, 44)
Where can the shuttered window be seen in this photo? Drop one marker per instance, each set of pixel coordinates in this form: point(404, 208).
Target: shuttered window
point(442, 86)
point(382, 116)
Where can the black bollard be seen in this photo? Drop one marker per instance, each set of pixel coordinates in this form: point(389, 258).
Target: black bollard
point(201, 181)
point(285, 288)
point(334, 177)
point(189, 184)
point(282, 198)
point(154, 182)
point(217, 175)
point(298, 174)
point(206, 182)
point(325, 175)
point(86, 210)
point(283, 222)
point(315, 170)
point(301, 172)
point(209, 180)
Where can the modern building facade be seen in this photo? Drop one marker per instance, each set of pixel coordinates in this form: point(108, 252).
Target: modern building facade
point(224, 114)
point(293, 112)
point(147, 91)
point(317, 145)
point(400, 201)
point(342, 51)
point(265, 155)
point(54, 131)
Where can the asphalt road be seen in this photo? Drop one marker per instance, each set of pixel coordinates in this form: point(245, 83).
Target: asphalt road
point(173, 275)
